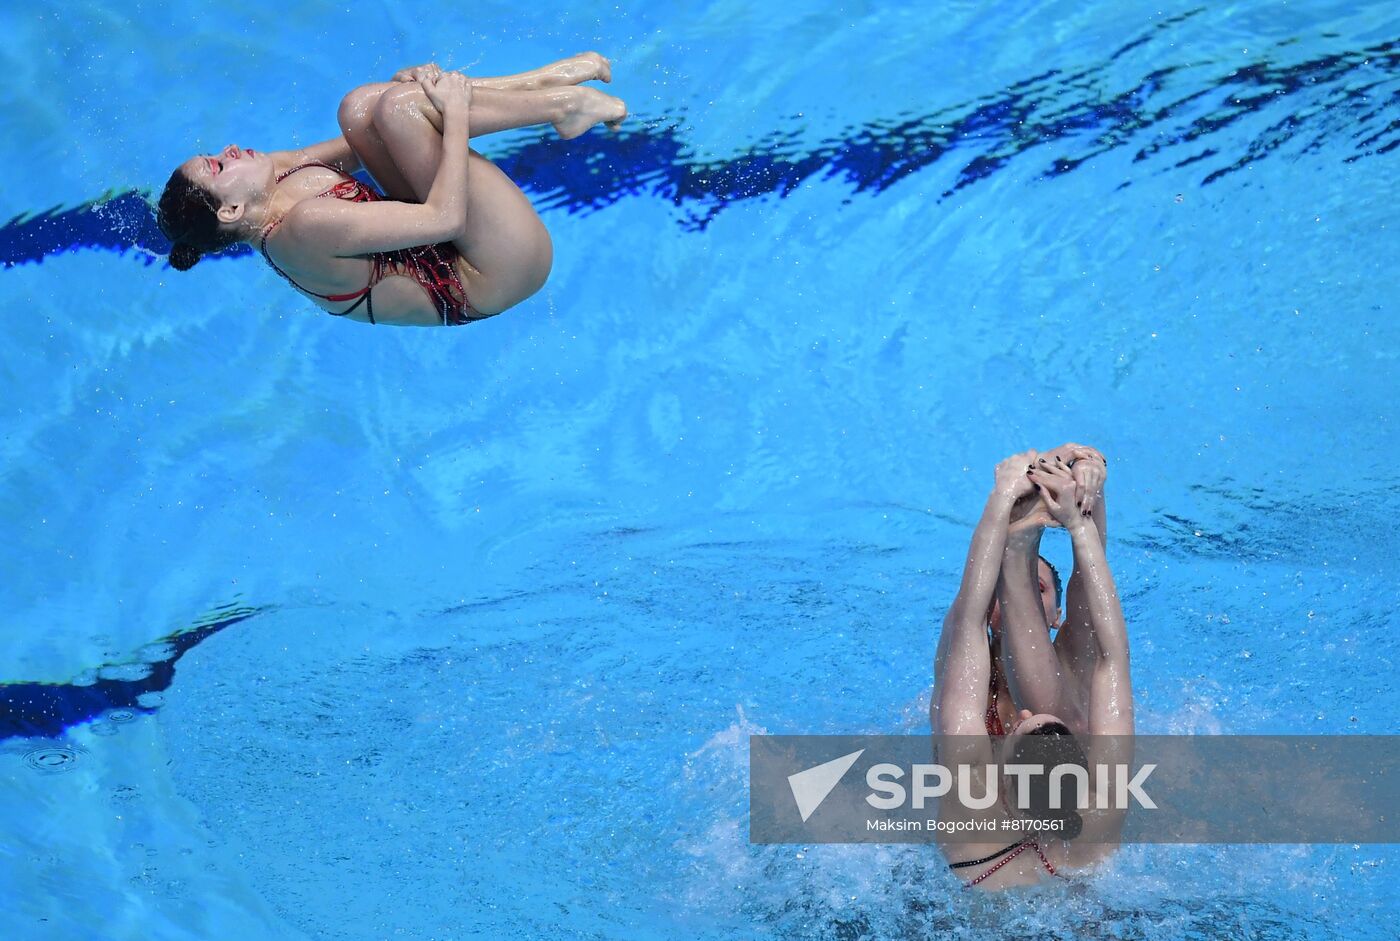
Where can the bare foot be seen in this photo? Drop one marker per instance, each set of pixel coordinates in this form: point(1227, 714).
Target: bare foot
point(584, 67)
point(594, 66)
point(586, 107)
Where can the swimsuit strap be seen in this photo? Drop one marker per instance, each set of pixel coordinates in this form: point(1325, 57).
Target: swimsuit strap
point(1045, 862)
point(361, 294)
point(1010, 853)
point(985, 859)
point(1014, 850)
point(302, 166)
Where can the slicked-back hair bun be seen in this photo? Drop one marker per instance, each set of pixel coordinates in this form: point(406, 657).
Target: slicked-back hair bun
point(184, 256)
point(188, 215)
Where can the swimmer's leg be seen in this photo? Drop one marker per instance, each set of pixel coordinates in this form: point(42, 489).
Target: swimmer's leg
point(505, 245)
point(571, 110)
point(584, 67)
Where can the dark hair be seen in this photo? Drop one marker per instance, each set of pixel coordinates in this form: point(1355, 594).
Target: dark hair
point(1055, 576)
point(187, 214)
point(1050, 745)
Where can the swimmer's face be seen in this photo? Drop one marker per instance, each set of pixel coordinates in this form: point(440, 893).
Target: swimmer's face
point(234, 176)
point(1045, 584)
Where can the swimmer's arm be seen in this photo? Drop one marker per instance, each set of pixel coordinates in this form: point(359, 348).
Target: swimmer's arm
point(1111, 689)
point(347, 229)
point(963, 668)
point(1100, 515)
point(337, 152)
point(1111, 719)
point(1076, 602)
point(1074, 640)
point(1033, 671)
point(960, 678)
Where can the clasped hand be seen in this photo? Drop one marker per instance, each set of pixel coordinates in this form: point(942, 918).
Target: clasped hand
point(1060, 488)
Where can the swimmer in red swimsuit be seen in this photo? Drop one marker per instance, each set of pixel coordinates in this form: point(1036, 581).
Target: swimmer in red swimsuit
point(965, 708)
point(451, 241)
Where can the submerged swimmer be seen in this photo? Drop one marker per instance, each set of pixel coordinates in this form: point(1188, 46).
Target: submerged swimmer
point(1030, 494)
point(451, 240)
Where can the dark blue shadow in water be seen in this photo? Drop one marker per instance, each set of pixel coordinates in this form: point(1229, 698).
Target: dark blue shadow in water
point(47, 710)
point(1172, 118)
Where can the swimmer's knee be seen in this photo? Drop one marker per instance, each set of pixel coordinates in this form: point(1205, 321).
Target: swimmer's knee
point(405, 98)
point(356, 113)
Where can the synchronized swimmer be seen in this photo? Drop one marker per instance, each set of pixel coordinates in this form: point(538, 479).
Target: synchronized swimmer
point(450, 240)
point(1004, 690)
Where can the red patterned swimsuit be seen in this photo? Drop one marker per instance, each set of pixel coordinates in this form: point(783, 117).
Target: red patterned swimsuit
point(434, 267)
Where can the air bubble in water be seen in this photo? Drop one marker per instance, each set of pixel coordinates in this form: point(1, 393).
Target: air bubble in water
point(128, 672)
point(52, 759)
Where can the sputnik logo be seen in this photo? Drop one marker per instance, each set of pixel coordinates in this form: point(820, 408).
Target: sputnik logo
point(811, 787)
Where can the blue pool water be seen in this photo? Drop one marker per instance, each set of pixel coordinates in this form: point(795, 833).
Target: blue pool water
point(322, 631)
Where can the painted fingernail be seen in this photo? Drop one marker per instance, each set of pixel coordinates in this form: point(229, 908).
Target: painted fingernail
point(1035, 485)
